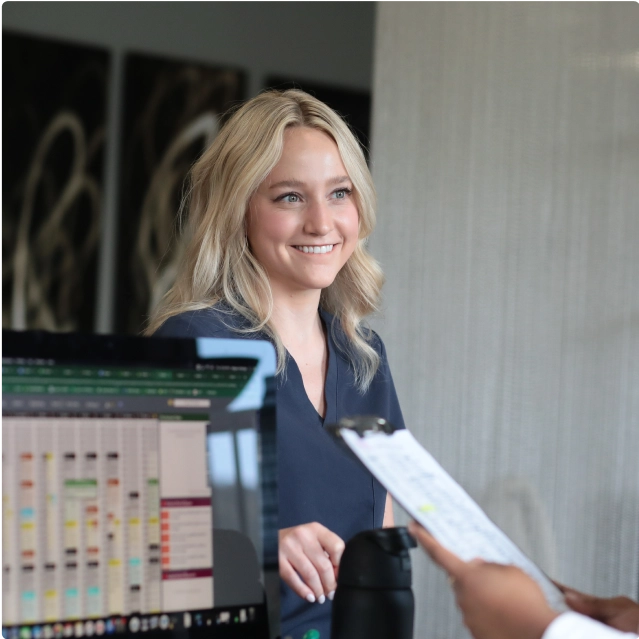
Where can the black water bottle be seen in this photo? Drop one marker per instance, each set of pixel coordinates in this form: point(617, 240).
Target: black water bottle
point(374, 596)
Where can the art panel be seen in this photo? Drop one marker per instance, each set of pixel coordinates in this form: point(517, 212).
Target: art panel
point(172, 112)
point(54, 113)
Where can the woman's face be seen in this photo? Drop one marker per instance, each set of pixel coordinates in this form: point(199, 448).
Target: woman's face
point(303, 223)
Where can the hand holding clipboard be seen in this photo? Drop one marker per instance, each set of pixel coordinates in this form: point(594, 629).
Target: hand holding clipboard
point(433, 498)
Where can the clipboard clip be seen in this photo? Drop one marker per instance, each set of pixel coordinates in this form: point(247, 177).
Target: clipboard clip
point(362, 425)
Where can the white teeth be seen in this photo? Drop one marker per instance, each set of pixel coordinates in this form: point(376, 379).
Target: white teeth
point(326, 248)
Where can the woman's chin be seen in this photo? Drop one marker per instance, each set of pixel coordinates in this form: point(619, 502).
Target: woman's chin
point(309, 286)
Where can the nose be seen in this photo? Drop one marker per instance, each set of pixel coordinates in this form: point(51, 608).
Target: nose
point(319, 219)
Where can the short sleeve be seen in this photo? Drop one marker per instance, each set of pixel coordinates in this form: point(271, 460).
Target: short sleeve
point(206, 322)
point(395, 416)
point(179, 326)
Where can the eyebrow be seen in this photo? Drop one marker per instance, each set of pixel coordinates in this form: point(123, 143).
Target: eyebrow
point(340, 179)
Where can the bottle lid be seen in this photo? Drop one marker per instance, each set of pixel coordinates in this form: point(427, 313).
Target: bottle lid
point(377, 559)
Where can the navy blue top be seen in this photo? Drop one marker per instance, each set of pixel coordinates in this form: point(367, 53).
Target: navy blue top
point(318, 482)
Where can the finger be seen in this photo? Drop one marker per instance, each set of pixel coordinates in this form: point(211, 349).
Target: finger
point(335, 568)
point(295, 583)
point(585, 604)
point(325, 570)
point(574, 594)
point(308, 573)
point(578, 601)
point(331, 543)
point(560, 586)
point(443, 557)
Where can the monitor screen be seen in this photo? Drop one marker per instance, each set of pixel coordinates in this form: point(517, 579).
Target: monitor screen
point(139, 486)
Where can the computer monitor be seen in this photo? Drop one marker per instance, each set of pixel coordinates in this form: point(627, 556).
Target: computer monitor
point(139, 486)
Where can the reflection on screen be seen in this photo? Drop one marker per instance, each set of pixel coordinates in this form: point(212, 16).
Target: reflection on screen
point(224, 449)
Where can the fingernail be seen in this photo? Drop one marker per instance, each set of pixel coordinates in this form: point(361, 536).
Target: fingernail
point(321, 599)
point(310, 598)
point(331, 594)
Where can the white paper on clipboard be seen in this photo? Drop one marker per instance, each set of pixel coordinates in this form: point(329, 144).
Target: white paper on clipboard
point(434, 499)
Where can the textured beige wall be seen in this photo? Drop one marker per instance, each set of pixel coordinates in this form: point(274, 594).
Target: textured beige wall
point(506, 155)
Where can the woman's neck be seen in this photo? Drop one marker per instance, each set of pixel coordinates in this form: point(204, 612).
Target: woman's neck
point(295, 318)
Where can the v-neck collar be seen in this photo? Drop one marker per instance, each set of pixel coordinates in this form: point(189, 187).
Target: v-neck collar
point(330, 383)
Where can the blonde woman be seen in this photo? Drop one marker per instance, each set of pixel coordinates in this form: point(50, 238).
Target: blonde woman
point(279, 210)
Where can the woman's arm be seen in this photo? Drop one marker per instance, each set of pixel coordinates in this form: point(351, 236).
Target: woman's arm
point(389, 517)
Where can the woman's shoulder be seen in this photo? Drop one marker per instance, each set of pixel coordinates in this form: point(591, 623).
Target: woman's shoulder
point(215, 321)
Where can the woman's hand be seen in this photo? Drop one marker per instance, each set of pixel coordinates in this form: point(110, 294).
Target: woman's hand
point(497, 602)
point(621, 613)
point(309, 558)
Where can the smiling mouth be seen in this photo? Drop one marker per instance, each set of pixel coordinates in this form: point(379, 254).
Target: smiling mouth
point(324, 248)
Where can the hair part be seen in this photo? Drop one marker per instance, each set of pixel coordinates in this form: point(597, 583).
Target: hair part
point(217, 264)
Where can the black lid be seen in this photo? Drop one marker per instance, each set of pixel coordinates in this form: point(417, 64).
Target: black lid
point(377, 559)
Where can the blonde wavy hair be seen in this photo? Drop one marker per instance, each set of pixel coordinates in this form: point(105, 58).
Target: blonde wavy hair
point(217, 263)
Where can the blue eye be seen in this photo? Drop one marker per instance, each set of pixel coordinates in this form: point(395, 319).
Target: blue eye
point(341, 194)
point(292, 198)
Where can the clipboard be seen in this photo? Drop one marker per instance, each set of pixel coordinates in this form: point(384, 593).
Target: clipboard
point(419, 484)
